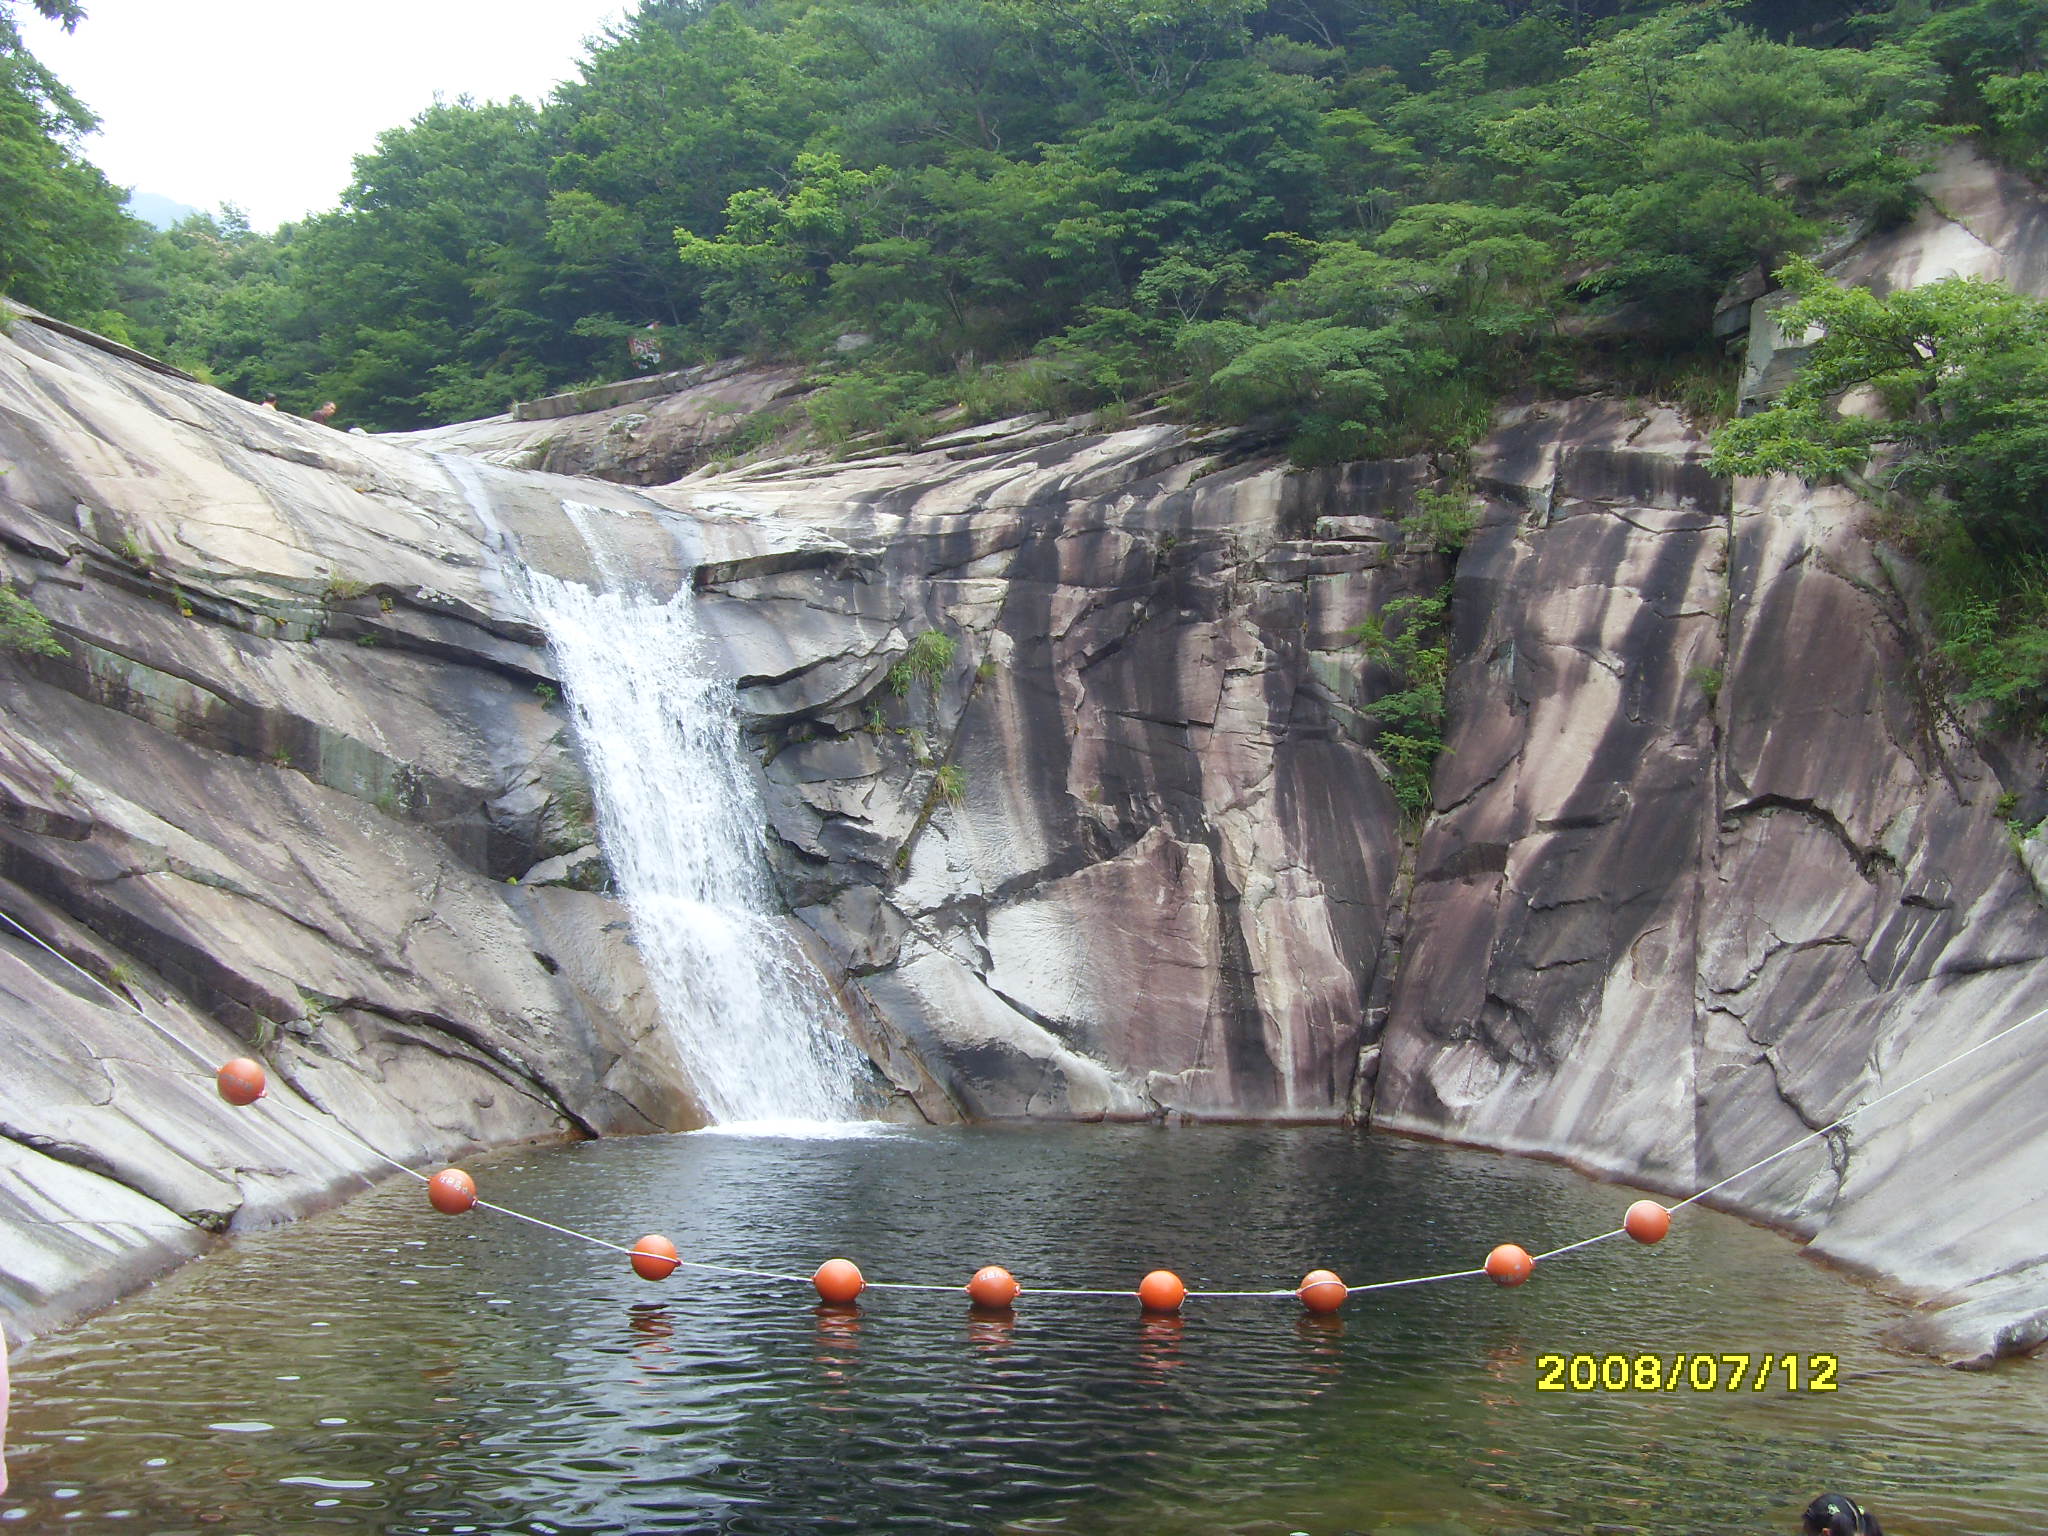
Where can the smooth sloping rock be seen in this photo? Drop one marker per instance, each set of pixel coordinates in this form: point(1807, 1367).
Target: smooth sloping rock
point(272, 794)
point(643, 432)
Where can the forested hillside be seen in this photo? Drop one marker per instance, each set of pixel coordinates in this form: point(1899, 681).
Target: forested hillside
point(1352, 224)
point(1359, 220)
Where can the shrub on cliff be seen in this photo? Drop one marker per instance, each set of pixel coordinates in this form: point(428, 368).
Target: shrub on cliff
point(931, 651)
point(1407, 638)
point(1933, 401)
point(23, 627)
point(1956, 380)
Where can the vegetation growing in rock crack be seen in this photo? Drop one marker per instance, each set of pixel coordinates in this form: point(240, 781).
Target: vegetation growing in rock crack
point(1441, 521)
point(24, 628)
point(2019, 833)
point(930, 653)
point(1407, 638)
point(342, 589)
point(951, 783)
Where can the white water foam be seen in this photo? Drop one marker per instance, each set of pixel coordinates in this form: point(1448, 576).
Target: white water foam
point(682, 827)
point(806, 1130)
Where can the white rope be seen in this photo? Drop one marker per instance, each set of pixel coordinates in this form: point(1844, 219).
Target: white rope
point(1584, 1242)
point(909, 1285)
point(126, 1002)
point(1862, 1108)
point(1054, 1290)
point(1392, 1285)
point(1226, 1295)
point(506, 1210)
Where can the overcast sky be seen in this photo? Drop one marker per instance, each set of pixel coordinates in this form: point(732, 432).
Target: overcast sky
point(263, 103)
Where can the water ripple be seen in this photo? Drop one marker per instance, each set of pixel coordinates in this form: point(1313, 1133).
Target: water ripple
point(596, 1403)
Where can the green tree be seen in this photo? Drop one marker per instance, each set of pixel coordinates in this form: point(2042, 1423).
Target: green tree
point(185, 292)
point(1394, 346)
point(1994, 59)
point(424, 290)
point(1950, 381)
point(684, 108)
point(1684, 150)
point(1934, 402)
point(765, 271)
point(1228, 163)
point(64, 228)
point(928, 78)
point(1158, 48)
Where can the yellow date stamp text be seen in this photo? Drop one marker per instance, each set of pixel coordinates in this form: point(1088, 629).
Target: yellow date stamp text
point(1741, 1371)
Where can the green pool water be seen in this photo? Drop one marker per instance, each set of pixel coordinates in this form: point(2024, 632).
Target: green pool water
point(384, 1369)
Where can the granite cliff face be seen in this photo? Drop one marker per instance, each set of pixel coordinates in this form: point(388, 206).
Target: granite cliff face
point(1710, 867)
point(1708, 863)
point(1163, 881)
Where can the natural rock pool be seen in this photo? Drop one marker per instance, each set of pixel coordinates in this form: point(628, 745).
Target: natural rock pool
point(386, 1369)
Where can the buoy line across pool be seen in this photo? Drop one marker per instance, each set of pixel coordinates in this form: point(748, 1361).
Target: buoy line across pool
point(243, 1083)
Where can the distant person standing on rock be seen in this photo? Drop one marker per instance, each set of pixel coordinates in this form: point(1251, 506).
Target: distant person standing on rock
point(325, 413)
point(268, 402)
point(1835, 1514)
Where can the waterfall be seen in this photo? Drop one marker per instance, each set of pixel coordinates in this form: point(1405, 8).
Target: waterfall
point(682, 827)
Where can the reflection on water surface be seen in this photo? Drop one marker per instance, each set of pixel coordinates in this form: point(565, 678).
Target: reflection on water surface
point(383, 1369)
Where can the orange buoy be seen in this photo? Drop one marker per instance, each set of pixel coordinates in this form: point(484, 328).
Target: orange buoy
point(1321, 1291)
point(1646, 1222)
point(654, 1257)
point(838, 1281)
point(993, 1286)
point(1509, 1265)
point(1161, 1291)
point(241, 1081)
point(451, 1191)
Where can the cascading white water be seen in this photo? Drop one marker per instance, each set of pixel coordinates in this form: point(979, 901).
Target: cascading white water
point(681, 825)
